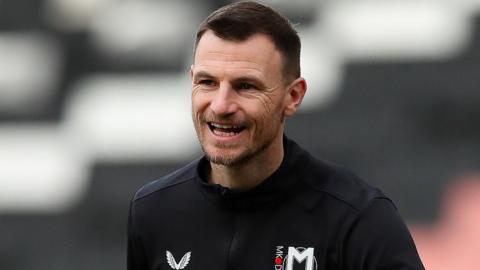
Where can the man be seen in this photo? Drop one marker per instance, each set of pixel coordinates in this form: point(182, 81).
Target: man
point(256, 200)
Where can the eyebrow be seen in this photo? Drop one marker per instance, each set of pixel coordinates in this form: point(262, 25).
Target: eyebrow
point(203, 74)
point(244, 78)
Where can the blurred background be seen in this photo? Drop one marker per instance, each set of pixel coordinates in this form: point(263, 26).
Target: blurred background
point(94, 103)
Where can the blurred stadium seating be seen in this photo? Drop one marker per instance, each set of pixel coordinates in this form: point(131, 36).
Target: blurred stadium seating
point(94, 102)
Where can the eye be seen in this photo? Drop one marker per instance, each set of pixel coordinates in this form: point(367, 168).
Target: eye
point(246, 86)
point(206, 82)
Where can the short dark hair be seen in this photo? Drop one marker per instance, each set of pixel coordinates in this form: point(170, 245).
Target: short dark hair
point(241, 20)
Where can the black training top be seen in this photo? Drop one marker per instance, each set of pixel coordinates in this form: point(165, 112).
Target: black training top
point(307, 215)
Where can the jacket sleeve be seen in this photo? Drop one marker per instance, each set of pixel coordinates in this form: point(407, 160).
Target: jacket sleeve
point(379, 239)
point(136, 259)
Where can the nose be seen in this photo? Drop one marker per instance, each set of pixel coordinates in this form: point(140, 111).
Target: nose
point(223, 102)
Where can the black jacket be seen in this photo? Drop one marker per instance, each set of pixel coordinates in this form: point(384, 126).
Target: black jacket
point(307, 215)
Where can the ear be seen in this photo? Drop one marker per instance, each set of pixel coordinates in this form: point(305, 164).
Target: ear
point(295, 93)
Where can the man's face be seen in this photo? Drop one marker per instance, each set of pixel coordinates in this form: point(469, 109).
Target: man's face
point(238, 97)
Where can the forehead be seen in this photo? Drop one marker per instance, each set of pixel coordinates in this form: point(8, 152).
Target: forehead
point(256, 53)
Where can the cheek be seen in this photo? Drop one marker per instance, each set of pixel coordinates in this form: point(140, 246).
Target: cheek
point(262, 103)
point(195, 96)
point(197, 105)
point(199, 101)
point(262, 113)
point(272, 107)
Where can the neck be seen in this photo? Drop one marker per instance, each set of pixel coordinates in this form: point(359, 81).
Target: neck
point(252, 172)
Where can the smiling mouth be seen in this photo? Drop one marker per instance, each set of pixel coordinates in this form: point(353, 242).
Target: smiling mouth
point(225, 130)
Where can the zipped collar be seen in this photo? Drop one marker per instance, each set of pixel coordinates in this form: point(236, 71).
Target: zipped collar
point(273, 189)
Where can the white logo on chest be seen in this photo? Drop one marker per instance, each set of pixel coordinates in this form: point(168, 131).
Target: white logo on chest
point(183, 262)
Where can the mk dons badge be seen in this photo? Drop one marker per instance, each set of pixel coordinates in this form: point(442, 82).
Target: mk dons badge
point(294, 258)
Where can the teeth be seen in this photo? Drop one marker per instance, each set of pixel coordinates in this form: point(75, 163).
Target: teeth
point(223, 126)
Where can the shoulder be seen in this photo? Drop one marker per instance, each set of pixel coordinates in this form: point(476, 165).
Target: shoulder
point(341, 185)
point(178, 177)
